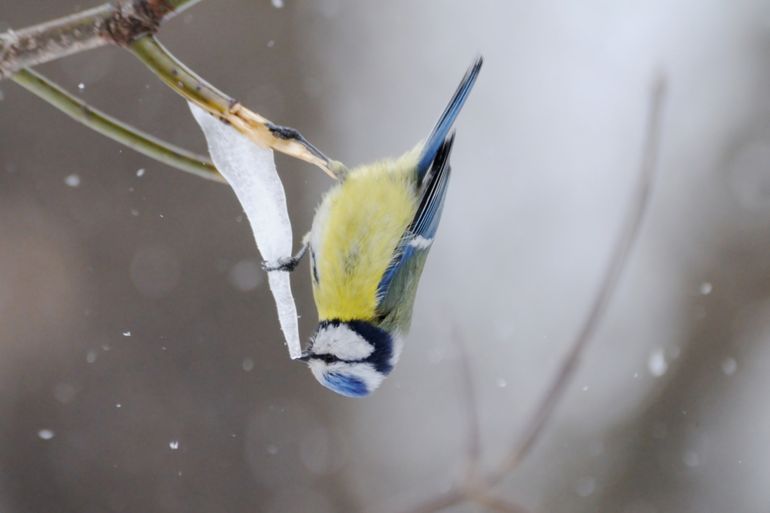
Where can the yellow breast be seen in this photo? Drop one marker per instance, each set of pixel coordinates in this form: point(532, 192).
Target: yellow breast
point(355, 232)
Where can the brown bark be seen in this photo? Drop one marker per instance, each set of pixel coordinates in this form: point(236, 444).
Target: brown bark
point(120, 24)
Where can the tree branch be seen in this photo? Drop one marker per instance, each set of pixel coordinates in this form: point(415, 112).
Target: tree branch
point(188, 84)
point(120, 23)
point(496, 504)
point(132, 24)
point(471, 406)
point(114, 129)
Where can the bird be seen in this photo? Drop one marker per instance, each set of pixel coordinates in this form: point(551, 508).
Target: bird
point(368, 245)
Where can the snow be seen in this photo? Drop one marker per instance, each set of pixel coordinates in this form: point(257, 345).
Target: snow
point(72, 180)
point(729, 366)
point(657, 364)
point(250, 171)
point(46, 434)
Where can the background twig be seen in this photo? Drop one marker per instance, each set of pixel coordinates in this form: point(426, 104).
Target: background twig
point(471, 406)
point(617, 264)
point(496, 504)
point(114, 129)
point(479, 492)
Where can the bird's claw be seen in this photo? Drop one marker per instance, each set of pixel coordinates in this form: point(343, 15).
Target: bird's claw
point(286, 264)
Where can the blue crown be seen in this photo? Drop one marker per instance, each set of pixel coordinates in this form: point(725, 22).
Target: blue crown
point(346, 385)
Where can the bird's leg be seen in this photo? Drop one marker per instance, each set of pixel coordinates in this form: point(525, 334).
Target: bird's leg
point(288, 264)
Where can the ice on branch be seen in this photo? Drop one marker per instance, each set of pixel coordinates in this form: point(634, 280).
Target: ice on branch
point(250, 171)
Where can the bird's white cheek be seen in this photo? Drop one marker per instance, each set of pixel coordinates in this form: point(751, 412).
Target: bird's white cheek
point(343, 343)
point(318, 368)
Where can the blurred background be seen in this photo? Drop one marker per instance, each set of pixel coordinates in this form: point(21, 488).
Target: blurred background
point(141, 364)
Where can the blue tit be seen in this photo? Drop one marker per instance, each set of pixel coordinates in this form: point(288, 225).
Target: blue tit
point(368, 245)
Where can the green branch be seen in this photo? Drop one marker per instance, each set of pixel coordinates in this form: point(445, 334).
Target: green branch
point(114, 129)
point(132, 24)
point(195, 89)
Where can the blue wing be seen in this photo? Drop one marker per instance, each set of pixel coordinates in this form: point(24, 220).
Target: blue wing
point(439, 134)
point(419, 235)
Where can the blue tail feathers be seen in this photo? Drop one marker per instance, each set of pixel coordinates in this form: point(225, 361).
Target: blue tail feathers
point(441, 130)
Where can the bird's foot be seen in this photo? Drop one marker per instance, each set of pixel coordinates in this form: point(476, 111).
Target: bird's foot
point(286, 264)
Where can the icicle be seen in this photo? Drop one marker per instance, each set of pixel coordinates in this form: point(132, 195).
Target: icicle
point(250, 171)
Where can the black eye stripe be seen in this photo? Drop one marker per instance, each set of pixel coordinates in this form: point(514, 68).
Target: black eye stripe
point(330, 358)
point(382, 342)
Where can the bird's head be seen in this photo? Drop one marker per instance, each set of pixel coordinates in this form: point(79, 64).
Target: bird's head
point(351, 358)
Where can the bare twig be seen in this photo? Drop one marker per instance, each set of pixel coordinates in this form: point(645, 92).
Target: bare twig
point(624, 245)
point(439, 501)
point(494, 503)
point(119, 23)
point(617, 264)
point(260, 130)
point(114, 129)
point(471, 407)
point(479, 495)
